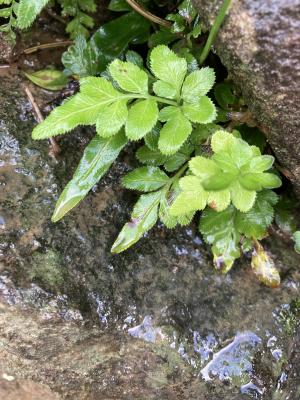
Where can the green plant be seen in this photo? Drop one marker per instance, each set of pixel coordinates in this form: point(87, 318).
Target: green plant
point(20, 14)
point(191, 157)
point(78, 10)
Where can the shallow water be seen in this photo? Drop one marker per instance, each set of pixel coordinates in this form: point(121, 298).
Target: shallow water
point(156, 322)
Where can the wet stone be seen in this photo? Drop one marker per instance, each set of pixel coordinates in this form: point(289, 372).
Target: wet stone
point(139, 325)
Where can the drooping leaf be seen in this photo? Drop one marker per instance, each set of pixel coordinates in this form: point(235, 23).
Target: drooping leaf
point(145, 179)
point(49, 79)
point(255, 222)
point(28, 10)
point(174, 133)
point(296, 238)
point(264, 268)
point(97, 158)
point(141, 119)
point(197, 84)
point(129, 76)
point(219, 230)
point(143, 218)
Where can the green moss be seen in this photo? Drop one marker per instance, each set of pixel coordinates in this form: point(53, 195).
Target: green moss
point(47, 269)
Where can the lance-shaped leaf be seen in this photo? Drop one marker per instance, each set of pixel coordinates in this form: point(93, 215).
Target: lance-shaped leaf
point(141, 119)
point(174, 132)
point(129, 77)
point(264, 267)
point(81, 109)
point(145, 179)
point(219, 230)
point(143, 218)
point(198, 83)
point(169, 68)
point(97, 158)
point(255, 222)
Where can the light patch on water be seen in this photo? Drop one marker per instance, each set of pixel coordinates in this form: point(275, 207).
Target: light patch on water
point(146, 331)
point(234, 360)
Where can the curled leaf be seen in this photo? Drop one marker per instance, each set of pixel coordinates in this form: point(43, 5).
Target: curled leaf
point(264, 267)
point(49, 79)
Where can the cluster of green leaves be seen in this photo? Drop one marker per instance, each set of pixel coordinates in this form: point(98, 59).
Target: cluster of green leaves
point(19, 14)
point(234, 173)
point(126, 105)
point(189, 162)
point(90, 58)
point(78, 10)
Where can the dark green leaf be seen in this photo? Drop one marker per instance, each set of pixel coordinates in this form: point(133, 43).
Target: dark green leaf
point(224, 95)
point(82, 58)
point(255, 222)
point(150, 157)
point(119, 5)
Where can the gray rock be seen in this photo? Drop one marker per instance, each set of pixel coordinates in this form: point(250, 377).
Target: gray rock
point(259, 45)
point(76, 318)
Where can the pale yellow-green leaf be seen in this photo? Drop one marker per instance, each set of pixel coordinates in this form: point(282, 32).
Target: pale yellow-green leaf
point(198, 83)
point(111, 118)
point(141, 119)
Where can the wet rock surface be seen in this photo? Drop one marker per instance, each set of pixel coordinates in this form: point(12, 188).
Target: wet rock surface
point(139, 325)
point(259, 45)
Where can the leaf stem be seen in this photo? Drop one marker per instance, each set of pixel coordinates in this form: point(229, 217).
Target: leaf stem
point(47, 46)
point(148, 96)
point(214, 30)
point(163, 100)
point(175, 177)
point(148, 15)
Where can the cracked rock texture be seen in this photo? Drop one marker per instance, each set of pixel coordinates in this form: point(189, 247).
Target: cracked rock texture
point(259, 45)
